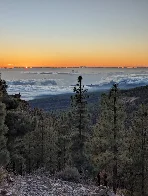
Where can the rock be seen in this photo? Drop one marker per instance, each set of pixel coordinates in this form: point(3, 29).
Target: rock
point(3, 192)
point(9, 194)
point(103, 192)
point(10, 179)
point(35, 185)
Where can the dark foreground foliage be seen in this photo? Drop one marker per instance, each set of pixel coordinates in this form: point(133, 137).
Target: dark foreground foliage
point(104, 135)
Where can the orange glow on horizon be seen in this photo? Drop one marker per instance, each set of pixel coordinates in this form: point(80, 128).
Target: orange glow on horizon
point(69, 53)
point(75, 57)
point(72, 63)
point(73, 60)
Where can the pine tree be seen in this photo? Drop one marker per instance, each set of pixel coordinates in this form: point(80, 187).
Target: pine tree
point(115, 147)
point(138, 151)
point(63, 140)
point(4, 154)
point(80, 126)
point(41, 143)
point(17, 156)
point(3, 87)
point(29, 141)
point(19, 124)
point(107, 141)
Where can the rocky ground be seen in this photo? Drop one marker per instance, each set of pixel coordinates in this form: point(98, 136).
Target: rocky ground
point(35, 185)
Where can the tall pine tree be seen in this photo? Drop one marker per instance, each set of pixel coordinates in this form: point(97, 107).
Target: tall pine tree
point(4, 154)
point(138, 151)
point(107, 141)
point(80, 126)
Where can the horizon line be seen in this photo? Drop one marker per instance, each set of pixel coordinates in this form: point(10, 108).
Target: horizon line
point(31, 67)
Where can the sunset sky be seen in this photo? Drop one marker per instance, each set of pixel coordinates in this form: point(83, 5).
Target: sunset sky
point(73, 32)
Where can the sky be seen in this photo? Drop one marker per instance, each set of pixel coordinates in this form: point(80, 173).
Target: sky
point(73, 33)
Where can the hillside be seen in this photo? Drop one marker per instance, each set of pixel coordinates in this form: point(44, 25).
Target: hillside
point(61, 102)
point(35, 139)
point(45, 185)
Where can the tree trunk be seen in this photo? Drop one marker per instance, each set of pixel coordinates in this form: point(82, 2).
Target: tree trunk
point(115, 145)
point(143, 154)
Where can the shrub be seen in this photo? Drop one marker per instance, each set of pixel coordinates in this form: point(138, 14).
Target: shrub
point(69, 174)
point(3, 174)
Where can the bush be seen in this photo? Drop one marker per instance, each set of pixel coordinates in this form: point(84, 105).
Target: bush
point(3, 174)
point(69, 174)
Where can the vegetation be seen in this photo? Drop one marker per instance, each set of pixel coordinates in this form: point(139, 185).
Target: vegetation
point(77, 142)
point(80, 127)
point(107, 142)
point(4, 154)
point(69, 174)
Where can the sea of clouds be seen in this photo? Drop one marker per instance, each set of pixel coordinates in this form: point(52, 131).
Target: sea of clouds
point(32, 88)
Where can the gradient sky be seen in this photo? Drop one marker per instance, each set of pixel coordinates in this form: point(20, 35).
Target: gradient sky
point(74, 32)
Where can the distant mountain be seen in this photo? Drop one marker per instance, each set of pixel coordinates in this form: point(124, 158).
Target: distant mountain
point(61, 102)
point(135, 96)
